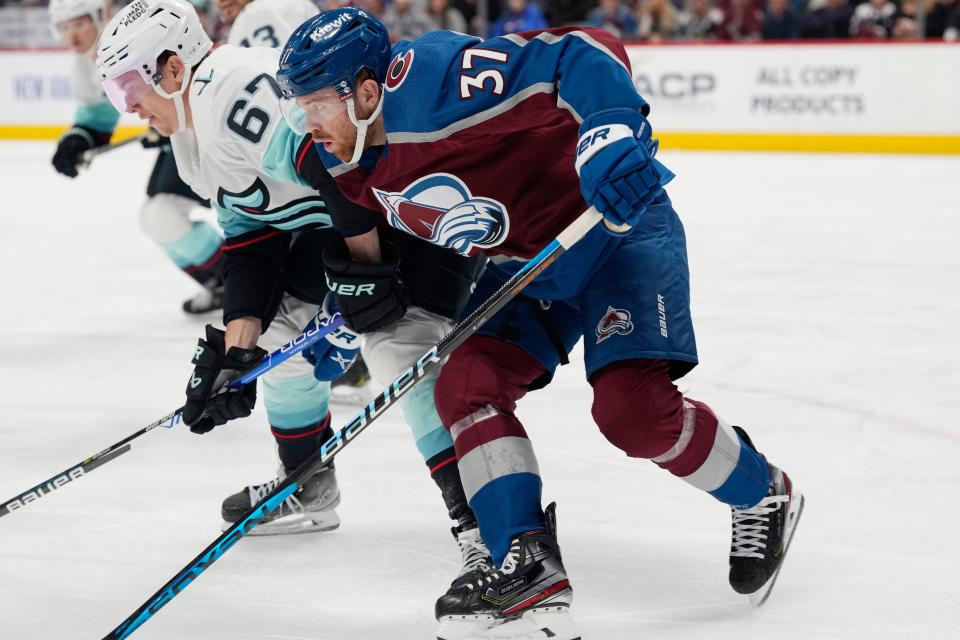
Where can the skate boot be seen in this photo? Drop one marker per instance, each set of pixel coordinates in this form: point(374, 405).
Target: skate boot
point(454, 623)
point(528, 596)
point(352, 388)
point(310, 509)
point(761, 538)
point(207, 299)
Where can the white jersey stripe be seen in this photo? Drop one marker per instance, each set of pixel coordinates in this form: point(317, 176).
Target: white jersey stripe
point(495, 459)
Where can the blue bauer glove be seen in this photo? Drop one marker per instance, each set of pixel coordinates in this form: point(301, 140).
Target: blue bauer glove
point(333, 355)
point(615, 163)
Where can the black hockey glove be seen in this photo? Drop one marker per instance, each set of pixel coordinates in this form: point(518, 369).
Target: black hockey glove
point(369, 295)
point(209, 404)
point(70, 150)
point(153, 140)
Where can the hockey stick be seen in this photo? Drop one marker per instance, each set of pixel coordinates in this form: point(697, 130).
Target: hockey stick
point(90, 154)
point(319, 329)
point(404, 382)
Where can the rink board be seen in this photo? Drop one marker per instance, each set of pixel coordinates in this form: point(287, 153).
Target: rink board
point(836, 97)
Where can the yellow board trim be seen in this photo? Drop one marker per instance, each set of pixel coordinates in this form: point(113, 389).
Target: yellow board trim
point(53, 132)
point(822, 143)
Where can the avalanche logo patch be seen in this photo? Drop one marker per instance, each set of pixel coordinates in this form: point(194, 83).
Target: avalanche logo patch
point(398, 70)
point(440, 209)
point(613, 322)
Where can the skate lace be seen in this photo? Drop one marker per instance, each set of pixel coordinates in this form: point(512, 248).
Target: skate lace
point(507, 567)
point(474, 551)
point(261, 491)
point(750, 527)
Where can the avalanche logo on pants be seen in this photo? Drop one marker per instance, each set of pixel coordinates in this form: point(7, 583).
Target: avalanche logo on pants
point(440, 209)
point(614, 321)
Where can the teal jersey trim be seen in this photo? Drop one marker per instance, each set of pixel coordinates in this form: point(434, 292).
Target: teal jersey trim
point(249, 210)
point(235, 224)
point(99, 117)
point(280, 158)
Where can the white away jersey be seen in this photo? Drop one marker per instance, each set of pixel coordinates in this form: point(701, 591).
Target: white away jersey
point(85, 80)
point(93, 110)
point(269, 23)
point(237, 131)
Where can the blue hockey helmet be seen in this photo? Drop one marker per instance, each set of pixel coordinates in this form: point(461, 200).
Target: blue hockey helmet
point(330, 49)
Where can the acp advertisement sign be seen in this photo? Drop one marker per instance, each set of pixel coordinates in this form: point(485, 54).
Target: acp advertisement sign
point(895, 89)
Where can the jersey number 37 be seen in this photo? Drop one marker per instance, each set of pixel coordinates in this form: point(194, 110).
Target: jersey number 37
point(469, 83)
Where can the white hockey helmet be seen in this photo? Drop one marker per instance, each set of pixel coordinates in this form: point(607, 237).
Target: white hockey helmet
point(63, 10)
point(133, 40)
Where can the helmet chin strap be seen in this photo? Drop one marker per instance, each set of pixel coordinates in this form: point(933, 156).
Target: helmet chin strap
point(177, 98)
point(362, 126)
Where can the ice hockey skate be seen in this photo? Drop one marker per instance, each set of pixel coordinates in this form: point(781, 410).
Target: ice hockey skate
point(310, 509)
point(527, 598)
point(762, 536)
point(207, 299)
point(476, 564)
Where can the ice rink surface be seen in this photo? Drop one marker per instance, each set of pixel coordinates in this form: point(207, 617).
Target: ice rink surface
point(826, 295)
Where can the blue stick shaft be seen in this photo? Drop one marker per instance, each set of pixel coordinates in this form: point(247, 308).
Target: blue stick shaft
point(317, 329)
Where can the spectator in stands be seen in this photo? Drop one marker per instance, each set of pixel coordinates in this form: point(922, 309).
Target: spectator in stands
point(952, 32)
point(560, 12)
point(702, 23)
point(742, 22)
point(658, 21)
point(873, 19)
point(446, 17)
point(406, 20)
point(779, 21)
point(373, 7)
point(906, 27)
point(831, 21)
point(517, 16)
point(615, 18)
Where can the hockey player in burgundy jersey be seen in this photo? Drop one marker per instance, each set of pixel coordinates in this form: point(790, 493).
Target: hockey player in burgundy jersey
point(496, 146)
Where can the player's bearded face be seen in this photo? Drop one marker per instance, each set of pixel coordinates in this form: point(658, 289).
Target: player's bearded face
point(323, 115)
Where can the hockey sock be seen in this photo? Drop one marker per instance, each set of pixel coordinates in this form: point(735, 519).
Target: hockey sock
point(444, 471)
point(295, 445)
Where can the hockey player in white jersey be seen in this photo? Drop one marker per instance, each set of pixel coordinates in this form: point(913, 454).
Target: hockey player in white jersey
point(263, 23)
point(194, 247)
point(269, 23)
point(222, 111)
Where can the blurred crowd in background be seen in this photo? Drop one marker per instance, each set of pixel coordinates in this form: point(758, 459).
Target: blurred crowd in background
point(652, 20)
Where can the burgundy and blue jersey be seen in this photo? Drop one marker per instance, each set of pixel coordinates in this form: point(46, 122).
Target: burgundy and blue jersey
point(481, 137)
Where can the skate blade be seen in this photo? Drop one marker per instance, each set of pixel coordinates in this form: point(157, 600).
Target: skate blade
point(310, 522)
point(464, 627)
point(542, 623)
point(758, 597)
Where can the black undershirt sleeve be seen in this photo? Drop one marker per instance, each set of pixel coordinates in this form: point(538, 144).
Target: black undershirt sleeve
point(349, 218)
point(253, 271)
